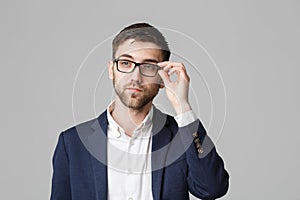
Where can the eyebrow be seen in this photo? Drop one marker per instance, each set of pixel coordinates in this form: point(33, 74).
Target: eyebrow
point(145, 60)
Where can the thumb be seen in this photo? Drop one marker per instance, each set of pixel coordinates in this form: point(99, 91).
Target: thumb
point(164, 75)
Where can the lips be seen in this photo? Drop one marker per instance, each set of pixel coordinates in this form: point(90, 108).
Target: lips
point(134, 89)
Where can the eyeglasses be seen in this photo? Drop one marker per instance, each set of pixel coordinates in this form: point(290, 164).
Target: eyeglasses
point(127, 66)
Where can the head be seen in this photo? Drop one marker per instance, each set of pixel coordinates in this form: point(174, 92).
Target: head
point(142, 32)
point(140, 43)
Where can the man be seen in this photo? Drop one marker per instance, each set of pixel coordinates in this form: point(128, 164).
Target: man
point(132, 150)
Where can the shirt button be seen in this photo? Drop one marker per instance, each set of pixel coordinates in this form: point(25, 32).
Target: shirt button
point(118, 134)
point(130, 198)
point(131, 142)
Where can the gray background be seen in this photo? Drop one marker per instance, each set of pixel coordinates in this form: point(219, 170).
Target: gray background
point(254, 43)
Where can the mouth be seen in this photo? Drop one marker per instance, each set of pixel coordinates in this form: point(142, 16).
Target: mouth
point(134, 89)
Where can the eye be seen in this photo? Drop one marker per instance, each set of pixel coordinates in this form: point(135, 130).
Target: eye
point(149, 66)
point(124, 62)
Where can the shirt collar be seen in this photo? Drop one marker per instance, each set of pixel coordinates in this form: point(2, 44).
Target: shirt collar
point(142, 130)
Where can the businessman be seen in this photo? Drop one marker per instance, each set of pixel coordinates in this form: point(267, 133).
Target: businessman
point(133, 150)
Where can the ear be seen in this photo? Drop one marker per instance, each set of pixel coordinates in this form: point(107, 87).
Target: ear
point(110, 66)
point(162, 84)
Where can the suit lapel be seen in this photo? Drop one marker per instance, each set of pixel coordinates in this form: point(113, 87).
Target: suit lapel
point(98, 148)
point(161, 137)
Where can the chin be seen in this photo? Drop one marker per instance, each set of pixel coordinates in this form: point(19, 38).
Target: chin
point(136, 104)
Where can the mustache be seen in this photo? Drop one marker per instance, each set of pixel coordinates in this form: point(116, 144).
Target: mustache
point(134, 86)
point(141, 85)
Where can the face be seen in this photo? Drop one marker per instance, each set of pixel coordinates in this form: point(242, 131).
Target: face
point(133, 89)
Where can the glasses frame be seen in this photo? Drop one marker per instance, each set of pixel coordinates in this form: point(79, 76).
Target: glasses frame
point(135, 65)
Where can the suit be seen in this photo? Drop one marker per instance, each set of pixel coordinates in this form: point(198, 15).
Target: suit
point(183, 160)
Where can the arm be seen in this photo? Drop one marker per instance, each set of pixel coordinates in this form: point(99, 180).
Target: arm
point(207, 177)
point(60, 179)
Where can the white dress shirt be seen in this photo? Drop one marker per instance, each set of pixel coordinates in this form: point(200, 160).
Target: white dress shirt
point(129, 158)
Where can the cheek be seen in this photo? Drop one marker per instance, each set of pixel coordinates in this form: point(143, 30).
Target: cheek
point(152, 81)
point(119, 79)
point(152, 87)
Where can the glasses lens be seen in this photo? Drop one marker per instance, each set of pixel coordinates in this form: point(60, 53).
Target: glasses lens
point(149, 69)
point(125, 65)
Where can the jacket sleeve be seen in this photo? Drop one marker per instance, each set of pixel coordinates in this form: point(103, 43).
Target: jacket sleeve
point(207, 177)
point(61, 189)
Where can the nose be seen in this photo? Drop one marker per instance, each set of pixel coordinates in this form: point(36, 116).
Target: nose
point(136, 75)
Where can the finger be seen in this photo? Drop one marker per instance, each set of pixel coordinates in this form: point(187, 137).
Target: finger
point(180, 72)
point(163, 64)
point(177, 69)
point(172, 71)
point(172, 67)
point(169, 65)
point(165, 77)
point(166, 67)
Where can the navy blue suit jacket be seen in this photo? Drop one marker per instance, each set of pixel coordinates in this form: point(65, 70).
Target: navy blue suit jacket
point(80, 172)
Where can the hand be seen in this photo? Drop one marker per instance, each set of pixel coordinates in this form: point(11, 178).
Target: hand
point(178, 90)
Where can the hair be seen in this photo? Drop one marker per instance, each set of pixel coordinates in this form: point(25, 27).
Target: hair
point(142, 32)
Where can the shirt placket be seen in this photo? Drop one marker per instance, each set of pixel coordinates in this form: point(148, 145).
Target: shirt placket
point(131, 176)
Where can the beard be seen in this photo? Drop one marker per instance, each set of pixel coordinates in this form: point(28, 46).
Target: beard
point(134, 100)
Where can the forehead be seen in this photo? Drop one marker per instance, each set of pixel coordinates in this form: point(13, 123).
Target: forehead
point(139, 49)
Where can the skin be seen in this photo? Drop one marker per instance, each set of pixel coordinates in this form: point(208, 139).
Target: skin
point(135, 92)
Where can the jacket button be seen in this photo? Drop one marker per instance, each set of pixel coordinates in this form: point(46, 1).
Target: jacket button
point(195, 134)
point(197, 140)
point(200, 150)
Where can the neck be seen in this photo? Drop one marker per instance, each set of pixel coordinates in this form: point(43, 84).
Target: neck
point(129, 118)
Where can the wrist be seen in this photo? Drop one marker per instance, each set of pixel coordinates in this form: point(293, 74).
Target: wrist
point(182, 108)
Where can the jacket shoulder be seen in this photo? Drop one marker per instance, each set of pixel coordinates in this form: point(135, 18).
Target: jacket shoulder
point(79, 131)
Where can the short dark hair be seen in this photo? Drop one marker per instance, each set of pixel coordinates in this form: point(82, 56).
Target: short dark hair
point(142, 32)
